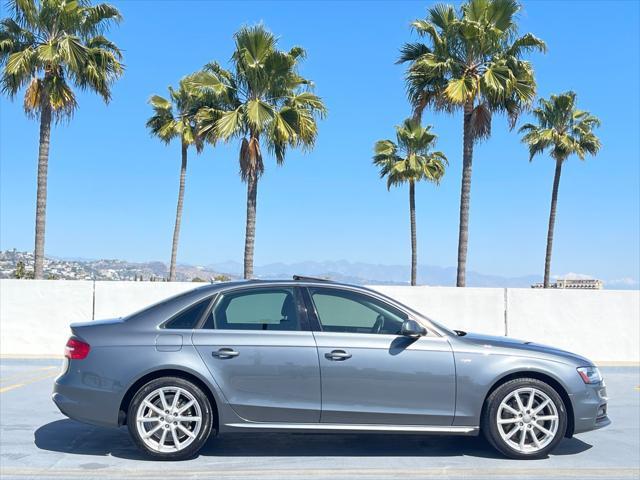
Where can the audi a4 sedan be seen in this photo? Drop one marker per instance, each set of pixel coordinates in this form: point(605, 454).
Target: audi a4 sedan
point(316, 356)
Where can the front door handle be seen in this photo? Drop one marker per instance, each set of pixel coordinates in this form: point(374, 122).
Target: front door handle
point(225, 353)
point(338, 355)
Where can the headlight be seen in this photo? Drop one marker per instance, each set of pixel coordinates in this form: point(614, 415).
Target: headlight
point(590, 374)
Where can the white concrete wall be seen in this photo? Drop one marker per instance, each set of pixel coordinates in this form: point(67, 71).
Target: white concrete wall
point(468, 309)
point(599, 324)
point(35, 314)
point(602, 325)
point(116, 299)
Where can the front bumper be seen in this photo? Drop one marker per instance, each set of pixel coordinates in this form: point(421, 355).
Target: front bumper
point(590, 408)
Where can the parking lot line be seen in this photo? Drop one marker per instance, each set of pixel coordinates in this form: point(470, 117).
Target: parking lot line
point(11, 387)
point(21, 375)
point(336, 473)
point(29, 381)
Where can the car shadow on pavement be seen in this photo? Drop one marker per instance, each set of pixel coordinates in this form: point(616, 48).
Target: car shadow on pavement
point(69, 436)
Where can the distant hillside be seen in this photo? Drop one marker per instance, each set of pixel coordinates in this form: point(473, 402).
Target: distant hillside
point(341, 270)
point(103, 269)
point(367, 273)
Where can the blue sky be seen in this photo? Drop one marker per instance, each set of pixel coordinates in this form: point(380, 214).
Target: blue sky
point(112, 188)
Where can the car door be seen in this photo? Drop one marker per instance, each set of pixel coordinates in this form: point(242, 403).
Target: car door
point(258, 348)
point(370, 373)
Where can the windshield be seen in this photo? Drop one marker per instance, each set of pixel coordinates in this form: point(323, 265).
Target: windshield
point(440, 326)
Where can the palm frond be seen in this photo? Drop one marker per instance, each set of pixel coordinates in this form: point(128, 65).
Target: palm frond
point(251, 164)
point(526, 43)
point(410, 52)
point(230, 123)
point(561, 128)
point(410, 158)
point(258, 113)
point(263, 98)
point(480, 122)
point(473, 56)
point(97, 19)
point(61, 44)
point(25, 12)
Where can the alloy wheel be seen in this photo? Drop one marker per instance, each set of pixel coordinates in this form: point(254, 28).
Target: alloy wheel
point(527, 420)
point(169, 419)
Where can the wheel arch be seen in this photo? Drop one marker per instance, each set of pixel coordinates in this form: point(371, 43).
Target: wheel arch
point(169, 372)
point(544, 377)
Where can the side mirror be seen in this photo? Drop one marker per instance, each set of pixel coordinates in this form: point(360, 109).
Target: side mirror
point(411, 328)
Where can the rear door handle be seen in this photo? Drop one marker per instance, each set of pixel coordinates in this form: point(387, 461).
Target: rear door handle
point(337, 355)
point(225, 353)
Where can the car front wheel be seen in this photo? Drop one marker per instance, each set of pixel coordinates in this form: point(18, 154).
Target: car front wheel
point(524, 418)
point(170, 418)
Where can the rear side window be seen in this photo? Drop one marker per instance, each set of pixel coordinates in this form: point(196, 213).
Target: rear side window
point(259, 309)
point(189, 317)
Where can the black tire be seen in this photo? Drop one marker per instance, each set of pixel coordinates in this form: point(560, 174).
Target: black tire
point(205, 429)
point(489, 418)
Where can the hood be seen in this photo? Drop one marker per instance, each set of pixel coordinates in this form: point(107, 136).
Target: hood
point(512, 346)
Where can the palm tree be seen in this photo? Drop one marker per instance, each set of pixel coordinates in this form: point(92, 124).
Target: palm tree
point(563, 130)
point(409, 161)
point(263, 102)
point(50, 46)
point(473, 61)
point(176, 118)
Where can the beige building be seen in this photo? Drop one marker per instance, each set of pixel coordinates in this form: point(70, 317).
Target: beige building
point(574, 284)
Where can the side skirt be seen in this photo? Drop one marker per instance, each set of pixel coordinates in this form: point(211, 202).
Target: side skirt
point(340, 427)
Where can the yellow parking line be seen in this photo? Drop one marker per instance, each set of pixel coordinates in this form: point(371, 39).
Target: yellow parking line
point(21, 375)
point(28, 382)
point(11, 387)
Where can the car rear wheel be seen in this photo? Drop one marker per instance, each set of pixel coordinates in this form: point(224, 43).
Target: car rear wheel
point(524, 418)
point(170, 418)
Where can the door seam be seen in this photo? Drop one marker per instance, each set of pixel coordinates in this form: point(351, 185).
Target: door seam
point(319, 373)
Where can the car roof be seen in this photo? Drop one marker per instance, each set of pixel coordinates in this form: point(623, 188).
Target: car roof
point(316, 282)
point(296, 280)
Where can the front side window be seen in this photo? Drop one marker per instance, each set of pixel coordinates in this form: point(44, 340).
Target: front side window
point(259, 309)
point(353, 312)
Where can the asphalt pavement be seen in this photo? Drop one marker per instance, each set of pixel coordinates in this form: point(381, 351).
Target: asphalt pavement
point(37, 441)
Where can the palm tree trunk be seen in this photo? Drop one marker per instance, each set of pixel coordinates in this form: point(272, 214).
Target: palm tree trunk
point(41, 196)
point(465, 195)
point(419, 108)
point(250, 232)
point(417, 115)
point(176, 229)
point(414, 243)
point(552, 221)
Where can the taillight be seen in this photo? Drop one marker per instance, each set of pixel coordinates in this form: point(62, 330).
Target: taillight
point(76, 349)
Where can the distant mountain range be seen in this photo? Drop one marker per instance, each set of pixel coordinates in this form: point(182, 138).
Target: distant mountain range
point(368, 273)
point(341, 270)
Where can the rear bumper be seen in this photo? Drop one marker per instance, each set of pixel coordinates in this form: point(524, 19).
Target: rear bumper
point(78, 396)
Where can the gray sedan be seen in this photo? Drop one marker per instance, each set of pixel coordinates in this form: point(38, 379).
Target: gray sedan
point(312, 355)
